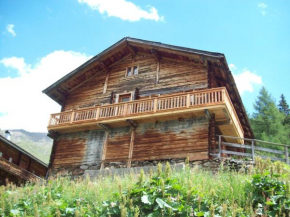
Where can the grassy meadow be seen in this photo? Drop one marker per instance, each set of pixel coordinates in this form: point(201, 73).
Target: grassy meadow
point(260, 191)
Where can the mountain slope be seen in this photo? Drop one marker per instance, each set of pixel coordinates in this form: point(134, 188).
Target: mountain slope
point(37, 144)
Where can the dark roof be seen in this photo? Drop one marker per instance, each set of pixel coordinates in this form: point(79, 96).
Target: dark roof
point(139, 41)
point(8, 142)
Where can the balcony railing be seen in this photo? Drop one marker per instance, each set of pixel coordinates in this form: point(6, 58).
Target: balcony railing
point(17, 170)
point(161, 104)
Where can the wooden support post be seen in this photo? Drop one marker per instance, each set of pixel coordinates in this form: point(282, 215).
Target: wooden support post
point(133, 123)
point(98, 113)
point(131, 146)
point(253, 150)
point(72, 117)
point(287, 155)
point(155, 104)
point(106, 68)
point(223, 95)
point(157, 71)
point(106, 82)
point(104, 150)
point(188, 100)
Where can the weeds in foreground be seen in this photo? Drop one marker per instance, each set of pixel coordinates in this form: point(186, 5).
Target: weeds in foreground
point(191, 192)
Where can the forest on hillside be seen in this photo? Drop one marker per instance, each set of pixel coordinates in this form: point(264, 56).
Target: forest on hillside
point(271, 121)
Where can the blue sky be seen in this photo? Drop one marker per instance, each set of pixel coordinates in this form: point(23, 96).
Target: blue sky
point(41, 41)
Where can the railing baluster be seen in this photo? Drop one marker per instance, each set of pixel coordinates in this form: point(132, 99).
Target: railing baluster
point(253, 150)
point(287, 155)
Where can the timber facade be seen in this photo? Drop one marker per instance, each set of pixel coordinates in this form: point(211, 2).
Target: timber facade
point(143, 101)
point(17, 165)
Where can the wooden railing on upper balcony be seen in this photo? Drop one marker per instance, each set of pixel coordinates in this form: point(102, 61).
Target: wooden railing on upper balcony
point(200, 98)
point(17, 170)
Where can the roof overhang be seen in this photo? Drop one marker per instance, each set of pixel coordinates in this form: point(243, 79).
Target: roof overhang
point(8, 142)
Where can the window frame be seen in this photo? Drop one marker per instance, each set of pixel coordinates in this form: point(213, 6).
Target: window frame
point(120, 95)
point(132, 70)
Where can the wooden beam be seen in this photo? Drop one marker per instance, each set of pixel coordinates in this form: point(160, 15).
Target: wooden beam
point(226, 113)
point(156, 54)
point(132, 50)
point(106, 68)
point(157, 71)
point(104, 127)
point(133, 123)
point(104, 152)
point(92, 76)
point(131, 147)
point(221, 123)
point(106, 82)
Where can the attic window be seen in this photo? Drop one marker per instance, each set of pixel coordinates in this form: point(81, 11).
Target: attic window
point(132, 71)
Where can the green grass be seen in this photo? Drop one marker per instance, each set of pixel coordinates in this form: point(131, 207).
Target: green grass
point(190, 192)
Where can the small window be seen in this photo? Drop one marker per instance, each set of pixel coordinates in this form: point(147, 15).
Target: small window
point(125, 98)
point(135, 70)
point(10, 159)
point(1, 154)
point(129, 71)
point(132, 71)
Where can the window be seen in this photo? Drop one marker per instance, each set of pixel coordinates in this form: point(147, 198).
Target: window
point(125, 98)
point(10, 159)
point(132, 71)
point(1, 154)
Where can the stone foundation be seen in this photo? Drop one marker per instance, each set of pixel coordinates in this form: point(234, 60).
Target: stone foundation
point(112, 168)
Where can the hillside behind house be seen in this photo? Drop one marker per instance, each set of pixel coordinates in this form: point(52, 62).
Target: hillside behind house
point(37, 144)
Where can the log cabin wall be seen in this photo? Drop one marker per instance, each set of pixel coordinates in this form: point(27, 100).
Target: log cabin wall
point(173, 75)
point(80, 151)
point(75, 152)
point(9, 152)
point(22, 160)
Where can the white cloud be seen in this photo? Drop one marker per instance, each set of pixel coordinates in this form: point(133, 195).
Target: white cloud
point(10, 29)
point(123, 9)
point(16, 63)
point(247, 80)
point(23, 105)
point(262, 7)
point(232, 67)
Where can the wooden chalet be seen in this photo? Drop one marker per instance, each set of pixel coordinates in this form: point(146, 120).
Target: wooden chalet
point(17, 165)
point(140, 100)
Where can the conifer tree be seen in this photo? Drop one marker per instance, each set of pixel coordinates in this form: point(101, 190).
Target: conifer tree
point(267, 121)
point(283, 106)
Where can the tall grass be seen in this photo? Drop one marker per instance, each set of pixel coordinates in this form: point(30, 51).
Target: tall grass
point(223, 192)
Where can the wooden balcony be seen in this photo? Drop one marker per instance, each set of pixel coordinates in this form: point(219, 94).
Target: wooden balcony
point(165, 107)
point(16, 170)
